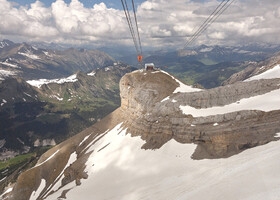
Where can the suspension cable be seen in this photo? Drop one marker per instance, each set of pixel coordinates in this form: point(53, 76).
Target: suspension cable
point(205, 22)
point(220, 11)
point(213, 17)
point(135, 36)
point(136, 22)
point(128, 18)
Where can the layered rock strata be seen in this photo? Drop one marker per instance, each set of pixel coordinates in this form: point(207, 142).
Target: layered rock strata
point(153, 112)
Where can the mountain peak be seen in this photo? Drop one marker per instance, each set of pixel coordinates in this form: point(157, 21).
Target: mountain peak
point(6, 43)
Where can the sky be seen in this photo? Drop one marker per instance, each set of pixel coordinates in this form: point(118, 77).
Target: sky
point(162, 23)
point(87, 3)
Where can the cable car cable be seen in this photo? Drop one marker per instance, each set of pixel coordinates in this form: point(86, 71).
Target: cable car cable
point(136, 22)
point(221, 10)
point(130, 25)
point(206, 21)
point(218, 12)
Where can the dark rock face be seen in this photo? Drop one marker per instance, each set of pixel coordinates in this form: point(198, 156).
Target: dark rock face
point(158, 121)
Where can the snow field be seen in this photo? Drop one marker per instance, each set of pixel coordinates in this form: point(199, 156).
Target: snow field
point(40, 82)
point(269, 74)
point(119, 169)
point(266, 102)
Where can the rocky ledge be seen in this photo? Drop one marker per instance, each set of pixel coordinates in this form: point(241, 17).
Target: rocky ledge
point(154, 102)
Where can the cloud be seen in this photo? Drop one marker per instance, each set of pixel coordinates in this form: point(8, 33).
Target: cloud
point(161, 23)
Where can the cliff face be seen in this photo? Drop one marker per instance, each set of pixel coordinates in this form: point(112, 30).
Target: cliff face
point(157, 107)
point(141, 90)
point(154, 111)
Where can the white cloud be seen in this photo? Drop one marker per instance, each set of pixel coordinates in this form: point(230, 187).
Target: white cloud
point(161, 23)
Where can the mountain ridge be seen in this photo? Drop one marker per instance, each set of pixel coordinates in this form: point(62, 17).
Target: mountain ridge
point(30, 62)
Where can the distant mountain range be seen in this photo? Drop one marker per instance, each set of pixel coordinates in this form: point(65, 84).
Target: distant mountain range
point(254, 69)
point(29, 62)
point(209, 66)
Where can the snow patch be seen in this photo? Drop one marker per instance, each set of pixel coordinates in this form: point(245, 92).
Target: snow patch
point(29, 55)
point(9, 64)
point(27, 94)
point(266, 102)
point(40, 82)
point(216, 124)
point(206, 50)
point(56, 97)
point(91, 73)
point(7, 191)
point(47, 53)
point(72, 159)
point(84, 140)
point(3, 178)
point(174, 101)
point(107, 69)
point(277, 135)
point(35, 194)
point(6, 73)
point(3, 44)
point(182, 87)
point(46, 159)
point(269, 74)
point(165, 99)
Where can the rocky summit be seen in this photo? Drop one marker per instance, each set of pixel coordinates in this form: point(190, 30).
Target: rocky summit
point(164, 139)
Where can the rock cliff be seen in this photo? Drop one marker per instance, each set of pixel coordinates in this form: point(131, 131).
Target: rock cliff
point(153, 112)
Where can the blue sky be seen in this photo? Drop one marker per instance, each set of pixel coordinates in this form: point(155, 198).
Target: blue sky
point(87, 3)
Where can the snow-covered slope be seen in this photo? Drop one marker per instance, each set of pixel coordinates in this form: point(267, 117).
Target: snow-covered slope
point(183, 88)
point(118, 168)
point(6, 73)
point(40, 82)
point(265, 102)
point(269, 74)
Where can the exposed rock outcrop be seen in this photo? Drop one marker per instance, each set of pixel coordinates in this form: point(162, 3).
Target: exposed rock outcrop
point(158, 120)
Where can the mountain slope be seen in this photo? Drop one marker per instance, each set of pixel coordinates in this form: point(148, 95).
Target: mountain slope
point(109, 160)
point(32, 117)
point(30, 62)
point(256, 69)
point(209, 66)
